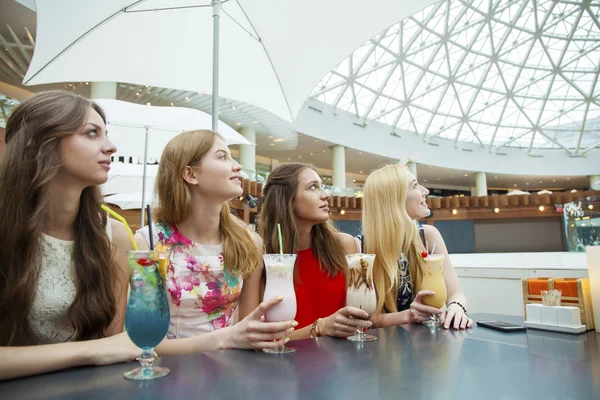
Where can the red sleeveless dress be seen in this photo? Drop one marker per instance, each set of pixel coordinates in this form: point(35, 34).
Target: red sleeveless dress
point(317, 294)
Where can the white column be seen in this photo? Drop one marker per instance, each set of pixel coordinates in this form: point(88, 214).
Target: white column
point(104, 90)
point(339, 166)
point(248, 152)
point(594, 179)
point(412, 167)
point(481, 184)
point(473, 191)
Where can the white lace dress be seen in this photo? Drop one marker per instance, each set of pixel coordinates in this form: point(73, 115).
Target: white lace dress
point(56, 291)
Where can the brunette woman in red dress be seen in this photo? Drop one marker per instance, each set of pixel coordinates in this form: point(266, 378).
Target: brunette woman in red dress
point(294, 197)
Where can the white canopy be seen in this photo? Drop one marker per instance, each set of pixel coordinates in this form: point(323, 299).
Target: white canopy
point(516, 192)
point(127, 122)
point(129, 201)
point(272, 52)
point(127, 178)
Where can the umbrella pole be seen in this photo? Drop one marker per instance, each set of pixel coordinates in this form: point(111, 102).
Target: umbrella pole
point(144, 179)
point(216, 5)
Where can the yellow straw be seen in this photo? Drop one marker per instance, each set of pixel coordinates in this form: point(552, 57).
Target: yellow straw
point(118, 217)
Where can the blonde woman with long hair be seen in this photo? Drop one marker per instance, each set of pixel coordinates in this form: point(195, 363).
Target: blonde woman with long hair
point(215, 262)
point(294, 197)
point(393, 202)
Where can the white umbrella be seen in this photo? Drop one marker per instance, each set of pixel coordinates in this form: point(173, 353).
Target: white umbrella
point(130, 201)
point(272, 53)
point(127, 178)
point(130, 126)
point(516, 192)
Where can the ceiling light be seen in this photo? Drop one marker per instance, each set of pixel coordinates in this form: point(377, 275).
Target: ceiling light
point(454, 212)
point(273, 144)
point(361, 172)
point(515, 185)
point(354, 180)
point(591, 206)
point(343, 212)
point(496, 210)
point(233, 108)
point(541, 208)
point(574, 191)
point(137, 94)
point(255, 121)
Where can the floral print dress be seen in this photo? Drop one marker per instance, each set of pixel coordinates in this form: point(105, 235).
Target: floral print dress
point(202, 294)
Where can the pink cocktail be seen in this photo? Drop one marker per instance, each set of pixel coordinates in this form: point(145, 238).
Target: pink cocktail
point(280, 282)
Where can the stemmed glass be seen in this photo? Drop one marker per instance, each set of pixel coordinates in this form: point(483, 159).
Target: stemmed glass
point(361, 290)
point(433, 279)
point(280, 282)
point(147, 318)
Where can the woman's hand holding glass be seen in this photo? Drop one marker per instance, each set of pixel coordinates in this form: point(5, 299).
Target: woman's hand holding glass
point(114, 349)
point(254, 333)
point(455, 316)
point(419, 312)
point(344, 322)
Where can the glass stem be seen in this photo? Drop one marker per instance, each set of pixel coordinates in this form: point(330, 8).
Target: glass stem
point(146, 359)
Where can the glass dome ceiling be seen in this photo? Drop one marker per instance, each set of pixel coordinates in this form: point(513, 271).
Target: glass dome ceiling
point(516, 73)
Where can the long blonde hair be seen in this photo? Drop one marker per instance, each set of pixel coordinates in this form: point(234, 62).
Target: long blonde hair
point(175, 199)
point(279, 194)
point(389, 232)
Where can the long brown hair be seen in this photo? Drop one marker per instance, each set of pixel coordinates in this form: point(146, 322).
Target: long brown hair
point(32, 159)
point(390, 232)
point(175, 199)
point(279, 194)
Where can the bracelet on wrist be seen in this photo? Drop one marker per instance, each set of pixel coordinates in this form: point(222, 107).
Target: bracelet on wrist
point(314, 329)
point(458, 304)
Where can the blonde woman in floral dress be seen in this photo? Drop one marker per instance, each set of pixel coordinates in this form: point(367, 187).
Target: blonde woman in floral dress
point(215, 262)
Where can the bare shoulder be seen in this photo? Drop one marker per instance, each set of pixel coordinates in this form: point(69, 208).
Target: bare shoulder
point(257, 241)
point(120, 238)
point(433, 235)
point(348, 242)
point(431, 231)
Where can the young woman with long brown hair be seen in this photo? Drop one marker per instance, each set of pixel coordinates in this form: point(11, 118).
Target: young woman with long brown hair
point(64, 272)
point(393, 200)
point(294, 197)
point(215, 262)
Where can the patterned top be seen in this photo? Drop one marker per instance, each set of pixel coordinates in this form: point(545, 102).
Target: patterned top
point(56, 291)
point(202, 294)
point(405, 288)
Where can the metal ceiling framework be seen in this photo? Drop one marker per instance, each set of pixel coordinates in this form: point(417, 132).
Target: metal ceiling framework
point(498, 73)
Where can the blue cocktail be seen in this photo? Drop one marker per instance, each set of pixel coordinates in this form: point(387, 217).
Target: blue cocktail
point(147, 318)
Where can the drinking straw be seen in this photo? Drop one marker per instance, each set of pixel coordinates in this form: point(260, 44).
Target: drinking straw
point(280, 239)
point(427, 246)
point(293, 241)
point(150, 237)
point(121, 219)
point(433, 248)
point(362, 243)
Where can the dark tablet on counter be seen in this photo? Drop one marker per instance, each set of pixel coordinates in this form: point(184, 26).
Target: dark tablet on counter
point(501, 326)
